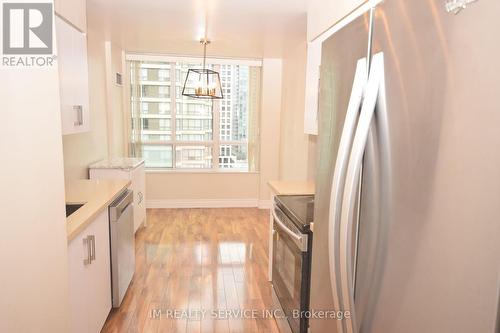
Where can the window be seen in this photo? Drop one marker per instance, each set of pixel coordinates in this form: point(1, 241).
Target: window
point(172, 131)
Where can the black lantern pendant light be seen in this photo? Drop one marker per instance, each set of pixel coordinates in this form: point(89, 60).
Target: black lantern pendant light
point(203, 83)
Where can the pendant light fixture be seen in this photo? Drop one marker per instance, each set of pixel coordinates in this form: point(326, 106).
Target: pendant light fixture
point(203, 83)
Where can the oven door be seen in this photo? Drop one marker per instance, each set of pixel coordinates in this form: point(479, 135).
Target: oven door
point(289, 254)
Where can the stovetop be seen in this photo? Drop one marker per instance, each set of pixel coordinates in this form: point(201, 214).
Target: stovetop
point(299, 208)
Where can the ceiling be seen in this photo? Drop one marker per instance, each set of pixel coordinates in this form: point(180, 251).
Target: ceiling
point(241, 28)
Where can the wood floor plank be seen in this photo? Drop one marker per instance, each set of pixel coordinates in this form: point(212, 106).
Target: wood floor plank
point(210, 260)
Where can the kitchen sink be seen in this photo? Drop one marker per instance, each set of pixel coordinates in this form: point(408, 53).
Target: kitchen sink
point(71, 208)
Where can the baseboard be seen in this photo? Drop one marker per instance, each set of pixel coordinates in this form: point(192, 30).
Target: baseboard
point(205, 203)
point(265, 204)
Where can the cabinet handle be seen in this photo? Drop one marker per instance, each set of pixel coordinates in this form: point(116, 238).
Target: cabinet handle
point(79, 115)
point(141, 196)
point(86, 242)
point(92, 253)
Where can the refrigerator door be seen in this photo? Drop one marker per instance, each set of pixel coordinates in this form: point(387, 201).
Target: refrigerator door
point(432, 263)
point(340, 56)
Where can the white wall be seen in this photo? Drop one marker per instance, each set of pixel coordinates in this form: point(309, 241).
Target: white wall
point(114, 96)
point(294, 142)
point(297, 149)
point(33, 240)
point(165, 188)
point(270, 124)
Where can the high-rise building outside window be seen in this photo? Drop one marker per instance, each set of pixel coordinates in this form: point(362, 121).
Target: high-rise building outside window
point(171, 131)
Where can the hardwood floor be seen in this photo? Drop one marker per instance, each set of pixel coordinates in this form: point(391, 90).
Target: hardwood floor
point(199, 259)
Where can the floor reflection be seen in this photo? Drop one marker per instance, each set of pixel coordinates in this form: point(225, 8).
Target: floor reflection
point(198, 259)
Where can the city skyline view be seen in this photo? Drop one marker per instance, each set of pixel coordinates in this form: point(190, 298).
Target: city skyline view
point(208, 134)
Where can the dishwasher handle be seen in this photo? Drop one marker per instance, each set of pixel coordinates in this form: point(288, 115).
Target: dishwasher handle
point(118, 206)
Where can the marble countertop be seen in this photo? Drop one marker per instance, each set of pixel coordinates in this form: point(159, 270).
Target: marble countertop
point(96, 196)
point(286, 187)
point(125, 163)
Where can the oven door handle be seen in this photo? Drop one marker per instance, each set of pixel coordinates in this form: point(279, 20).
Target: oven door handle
point(300, 240)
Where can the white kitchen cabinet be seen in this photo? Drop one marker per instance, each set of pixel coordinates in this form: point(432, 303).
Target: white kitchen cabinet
point(90, 276)
point(74, 11)
point(321, 25)
point(126, 168)
point(73, 78)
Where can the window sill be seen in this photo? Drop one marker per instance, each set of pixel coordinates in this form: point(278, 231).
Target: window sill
point(197, 171)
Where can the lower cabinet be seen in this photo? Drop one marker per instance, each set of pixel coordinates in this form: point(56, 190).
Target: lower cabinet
point(90, 277)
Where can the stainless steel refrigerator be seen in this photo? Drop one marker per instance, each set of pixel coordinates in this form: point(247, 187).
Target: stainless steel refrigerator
point(407, 206)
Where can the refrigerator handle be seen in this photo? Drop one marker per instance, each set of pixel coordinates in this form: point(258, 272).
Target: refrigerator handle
point(339, 174)
point(374, 88)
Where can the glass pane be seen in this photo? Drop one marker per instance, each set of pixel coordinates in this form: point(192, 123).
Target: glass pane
point(234, 107)
point(155, 72)
point(157, 156)
point(181, 73)
point(194, 129)
point(200, 108)
point(155, 108)
point(233, 157)
point(155, 91)
point(193, 157)
point(156, 129)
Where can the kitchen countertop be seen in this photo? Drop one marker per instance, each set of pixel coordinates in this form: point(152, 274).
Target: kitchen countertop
point(125, 163)
point(96, 194)
point(286, 187)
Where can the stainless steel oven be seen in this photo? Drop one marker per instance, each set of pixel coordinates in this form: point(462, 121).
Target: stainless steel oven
point(291, 268)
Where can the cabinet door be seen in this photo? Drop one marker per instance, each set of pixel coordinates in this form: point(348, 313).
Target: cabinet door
point(99, 281)
point(78, 252)
point(90, 283)
point(73, 78)
point(139, 187)
point(66, 64)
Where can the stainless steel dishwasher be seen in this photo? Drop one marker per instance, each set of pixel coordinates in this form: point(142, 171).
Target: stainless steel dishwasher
point(122, 243)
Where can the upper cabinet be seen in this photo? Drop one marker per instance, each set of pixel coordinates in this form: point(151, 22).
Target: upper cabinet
point(324, 18)
point(73, 11)
point(73, 78)
point(323, 14)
